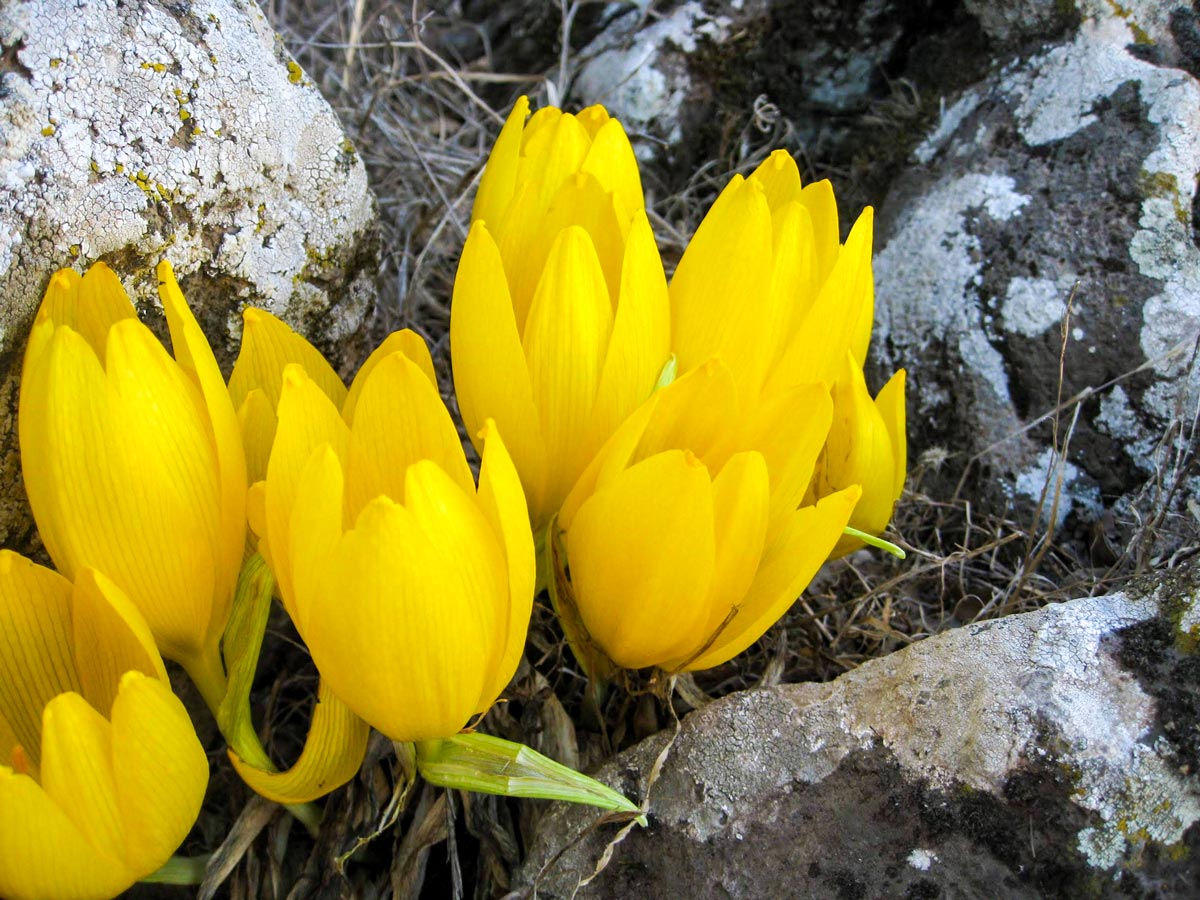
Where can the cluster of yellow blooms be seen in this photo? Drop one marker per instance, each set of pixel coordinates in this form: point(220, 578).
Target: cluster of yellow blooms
point(675, 461)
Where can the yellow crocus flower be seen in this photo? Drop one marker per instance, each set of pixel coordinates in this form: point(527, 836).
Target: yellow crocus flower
point(766, 284)
point(101, 773)
point(684, 540)
point(559, 324)
point(132, 460)
point(411, 588)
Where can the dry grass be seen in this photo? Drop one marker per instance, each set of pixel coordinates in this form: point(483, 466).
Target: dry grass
point(422, 93)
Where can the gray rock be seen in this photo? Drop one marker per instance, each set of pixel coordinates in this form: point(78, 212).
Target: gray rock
point(1069, 175)
point(1051, 754)
point(130, 132)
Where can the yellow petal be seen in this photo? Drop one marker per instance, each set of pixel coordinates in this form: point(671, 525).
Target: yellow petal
point(160, 771)
point(641, 338)
point(332, 754)
point(551, 153)
point(8, 743)
point(498, 183)
point(110, 638)
point(314, 531)
point(641, 557)
point(565, 342)
point(257, 422)
point(77, 771)
point(491, 379)
point(741, 498)
point(721, 289)
point(793, 279)
point(612, 162)
point(503, 503)
point(256, 507)
point(36, 662)
point(890, 403)
point(593, 118)
point(789, 429)
point(475, 563)
point(780, 179)
point(45, 856)
point(405, 341)
point(416, 682)
point(695, 413)
point(818, 198)
point(859, 451)
point(89, 305)
point(788, 565)
point(307, 419)
point(194, 355)
point(840, 318)
point(399, 420)
point(268, 345)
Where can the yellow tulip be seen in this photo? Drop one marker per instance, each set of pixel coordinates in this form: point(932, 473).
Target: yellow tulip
point(559, 324)
point(411, 588)
point(101, 773)
point(132, 460)
point(766, 285)
point(866, 446)
point(684, 539)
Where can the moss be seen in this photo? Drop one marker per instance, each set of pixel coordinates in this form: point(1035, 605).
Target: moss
point(1165, 186)
point(295, 73)
point(1140, 36)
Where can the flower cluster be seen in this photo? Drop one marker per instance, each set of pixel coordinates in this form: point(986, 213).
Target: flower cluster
point(673, 461)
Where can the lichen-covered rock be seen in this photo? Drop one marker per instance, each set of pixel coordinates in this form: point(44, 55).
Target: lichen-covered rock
point(134, 131)
point(1069, 176)
point(1051, 754)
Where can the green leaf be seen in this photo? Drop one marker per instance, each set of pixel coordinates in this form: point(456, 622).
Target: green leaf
point(492, 765)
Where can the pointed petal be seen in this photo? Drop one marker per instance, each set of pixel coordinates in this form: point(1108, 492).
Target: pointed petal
point(36, 662)
point(788, 565)
point(741, 498)
point(593, 118)
point(793, 279)
point(491, 378)
point(694, 413)
point(160, 771)
point(48, 856)
point(399, 420)
point(257, 422)
point(840, 319)
point(77, 771)
point(195, 356)
point(612, 162)
point(565, 342)
point(721, 289)
point(333, 752)
point(405, 341)
point(110, 638)
point(498, 183)
point(890, 403)
point(307, 419)
point(314, 532)
point(641, 557)
point(503, 504)
point(268, 345)
point(552, 152)
point(641, 338)
point(418, 682)
point(780, 179)
point(822, 207)
point(100, 303)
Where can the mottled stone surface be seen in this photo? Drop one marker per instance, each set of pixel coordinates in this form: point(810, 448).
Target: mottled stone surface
point(1051, 754)
point(135, 131)
point(1068, 175)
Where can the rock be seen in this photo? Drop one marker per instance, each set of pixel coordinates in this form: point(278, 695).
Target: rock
point(135, 131)
point(1050, 754)
point(1069, 175)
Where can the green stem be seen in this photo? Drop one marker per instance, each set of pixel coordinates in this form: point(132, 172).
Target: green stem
point(876, 542)
point(208, 674)
point(185, 870)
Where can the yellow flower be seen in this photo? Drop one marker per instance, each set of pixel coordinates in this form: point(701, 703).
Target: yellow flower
point(101, 774)
point(866, 446)
point(683, 539)
point(132, 460)
point(559, 324)
point(766, 285)
point(411, 588)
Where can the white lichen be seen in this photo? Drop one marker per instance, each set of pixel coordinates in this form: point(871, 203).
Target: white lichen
point(1033, 305)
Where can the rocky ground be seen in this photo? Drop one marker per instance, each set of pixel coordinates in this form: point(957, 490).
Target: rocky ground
point(1012, 711)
